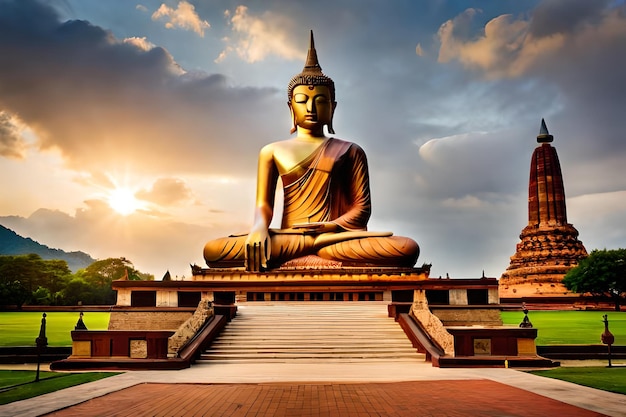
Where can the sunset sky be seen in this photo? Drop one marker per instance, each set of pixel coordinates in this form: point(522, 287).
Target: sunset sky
point(132, 128)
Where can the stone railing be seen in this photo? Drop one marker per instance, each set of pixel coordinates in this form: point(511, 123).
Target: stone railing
point(431, 323)
point(190, 328)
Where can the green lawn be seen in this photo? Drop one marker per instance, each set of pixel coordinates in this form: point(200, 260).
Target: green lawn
point(22, 328)
point(20, 385)
point(554, 327)
point(571, 327)
point(606, 379)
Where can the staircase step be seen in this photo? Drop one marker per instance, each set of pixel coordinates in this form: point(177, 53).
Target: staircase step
point(291, 331)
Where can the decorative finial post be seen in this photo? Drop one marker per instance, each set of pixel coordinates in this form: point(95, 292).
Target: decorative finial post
point(42, 342)
point(526, 322)
point(80, 324)
point(607, 337)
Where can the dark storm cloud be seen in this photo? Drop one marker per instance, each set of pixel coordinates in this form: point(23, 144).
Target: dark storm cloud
point(11, 142)
point(102, 100)
point(565, 16)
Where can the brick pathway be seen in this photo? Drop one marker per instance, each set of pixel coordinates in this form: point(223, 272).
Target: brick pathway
point(432, 398)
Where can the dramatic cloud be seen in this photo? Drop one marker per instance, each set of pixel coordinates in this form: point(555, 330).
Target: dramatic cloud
point(513, 46)
point(107, 103)
point(183, 17)
point(167, 192)
point(256, 37)
point(11, 142)
point(568, 49)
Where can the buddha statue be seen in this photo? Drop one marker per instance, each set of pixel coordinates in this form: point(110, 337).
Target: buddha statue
point(326, 195)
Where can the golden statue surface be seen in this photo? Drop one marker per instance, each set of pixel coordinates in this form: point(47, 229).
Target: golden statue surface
point(326, 195)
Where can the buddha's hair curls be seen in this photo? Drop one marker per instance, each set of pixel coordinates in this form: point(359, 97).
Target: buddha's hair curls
point(311, 79)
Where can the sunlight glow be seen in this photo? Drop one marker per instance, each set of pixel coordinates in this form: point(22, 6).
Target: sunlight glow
point(123, 201)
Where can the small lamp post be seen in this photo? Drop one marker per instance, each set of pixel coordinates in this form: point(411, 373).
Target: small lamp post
point(42, 342)
point(607, 337)
point(526, 322)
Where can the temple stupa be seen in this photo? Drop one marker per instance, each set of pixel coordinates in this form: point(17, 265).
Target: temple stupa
point(549, 245)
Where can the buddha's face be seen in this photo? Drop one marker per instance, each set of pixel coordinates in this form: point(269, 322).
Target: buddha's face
point(311, 106)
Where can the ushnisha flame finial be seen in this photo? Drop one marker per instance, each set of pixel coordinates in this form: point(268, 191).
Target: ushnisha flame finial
point(544, 136)
point(311, 73)
point(312, 65)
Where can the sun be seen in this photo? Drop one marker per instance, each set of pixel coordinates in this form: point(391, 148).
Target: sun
point(123, 201)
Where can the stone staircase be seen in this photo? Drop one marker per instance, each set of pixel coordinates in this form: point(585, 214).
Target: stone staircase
point(311, 332)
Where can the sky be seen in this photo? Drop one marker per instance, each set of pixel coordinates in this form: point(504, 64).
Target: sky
point(132, 128)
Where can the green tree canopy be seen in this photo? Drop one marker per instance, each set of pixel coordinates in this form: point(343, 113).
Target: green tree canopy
point(24, 275)
point(28, 279)
point(602, 273)
point(99, 276)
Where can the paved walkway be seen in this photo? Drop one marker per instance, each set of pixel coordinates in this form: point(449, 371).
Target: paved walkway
point(324, 389)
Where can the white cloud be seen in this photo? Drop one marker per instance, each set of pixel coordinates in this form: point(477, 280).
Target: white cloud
point(256, 37)
point(167, 192)
point(468, 201)
point(183, 17)
point(141, 43)
point(418, 50)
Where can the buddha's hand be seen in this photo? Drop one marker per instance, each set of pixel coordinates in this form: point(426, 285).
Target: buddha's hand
point(258, 250)
point(317, 227)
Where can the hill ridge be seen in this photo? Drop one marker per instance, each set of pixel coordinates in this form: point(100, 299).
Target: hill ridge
point(13, 244)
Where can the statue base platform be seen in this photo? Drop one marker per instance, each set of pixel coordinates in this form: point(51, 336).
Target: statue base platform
point(148, 310)
point(228, 286)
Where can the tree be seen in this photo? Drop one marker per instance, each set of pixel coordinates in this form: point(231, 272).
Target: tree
point(99, 276)
point(35, 277)
point(78, 290)
point(13, 293)
point(22, 268)
point(602, 273)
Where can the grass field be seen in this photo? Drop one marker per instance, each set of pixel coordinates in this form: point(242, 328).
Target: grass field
point(554, 327)
point(571, 327)
point(22, 328)
point(19, 385)
point(606, 379)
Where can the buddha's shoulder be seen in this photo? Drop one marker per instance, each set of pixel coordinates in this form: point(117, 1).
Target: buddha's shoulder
point(346, 144)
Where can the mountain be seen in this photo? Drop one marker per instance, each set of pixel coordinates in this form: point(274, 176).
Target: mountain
point(13, 244)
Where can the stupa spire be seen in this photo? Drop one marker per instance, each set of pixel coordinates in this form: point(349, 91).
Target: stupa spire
point(549, 245)
point(544, 136)
point(546, 193)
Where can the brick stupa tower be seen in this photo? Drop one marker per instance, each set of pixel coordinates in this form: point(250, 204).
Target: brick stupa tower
point(549, 245)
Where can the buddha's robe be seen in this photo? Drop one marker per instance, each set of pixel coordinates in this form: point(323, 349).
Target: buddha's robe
point(331, 185)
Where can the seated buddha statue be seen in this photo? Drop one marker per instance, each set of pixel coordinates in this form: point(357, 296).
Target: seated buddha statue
point(326, 195)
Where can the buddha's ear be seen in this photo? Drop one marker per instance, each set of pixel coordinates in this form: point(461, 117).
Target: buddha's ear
point(293, 118)
point(332, 115)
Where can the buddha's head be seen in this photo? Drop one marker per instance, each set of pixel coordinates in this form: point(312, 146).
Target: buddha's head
point(312, 95)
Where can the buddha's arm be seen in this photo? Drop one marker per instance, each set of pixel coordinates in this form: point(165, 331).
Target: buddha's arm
point(258, 246)
point(359, 210)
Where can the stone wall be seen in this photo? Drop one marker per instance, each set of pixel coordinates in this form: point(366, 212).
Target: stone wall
point(147, 320)
point(468, 317)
